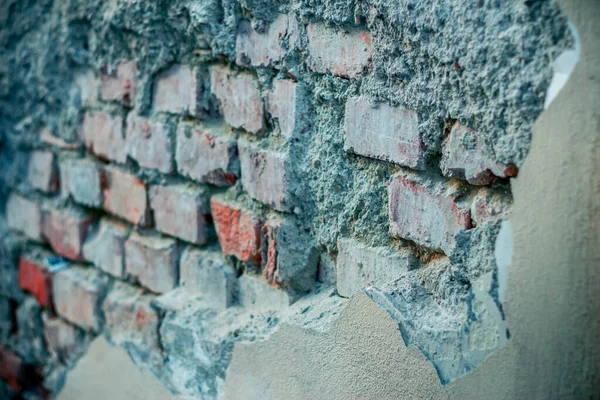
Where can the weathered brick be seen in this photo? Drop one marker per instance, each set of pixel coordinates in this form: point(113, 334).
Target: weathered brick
point(383, 132)
point(255, 293)
point(152, 260)
point(238, 230)
point(65, 230)
point(64, 340)
point(341, 53)
point(129, 316)
point(489, 206)
point(103, 135)
point(181, 90)
point(35, 277)
point(82, 180)
point(11, 369)
point(150, 142)
point(41, 172)
point(86, 87)
point(429, 218)
point(466, 155)
point(106, 248)
point(264, 175)
point(205, 272)
point(78, 294)
point(266, 48)
point(182, 211)
point(238, 95)
point(119, 83)
point(288, 108)
point(25, 216)
point(126, 196)
point(359, 266)
point(288, 255)
point(205, 155)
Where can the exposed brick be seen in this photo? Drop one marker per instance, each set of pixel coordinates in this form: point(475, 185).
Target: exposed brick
point(359, 266)
point(103, 135)
point(288, 255)
point(86, 84)
point(106, 248)
point(182, 211)
point(338, 52)
point(78, 294)
point(489, 206)
point(35, 277)
point(82, 180)
point(266, 48)
point(66, 229)
point(126, 196)
point(429, 218)
point(288, 107)
point(25, 216)
point(42, 173)
point(255, 293)
point(181, 90)
point(11, 369)
point(153, 261)
point(238, 95)
point(150, 142)
point(384, 132)
point(467, 156)
point(205, 272)
point(64, 340)
point(264, 175)
point(129, 316)
point(238, 230)
point(204, 155)
point(119, 83)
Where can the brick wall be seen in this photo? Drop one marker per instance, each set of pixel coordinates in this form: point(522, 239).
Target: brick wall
point(223, 189)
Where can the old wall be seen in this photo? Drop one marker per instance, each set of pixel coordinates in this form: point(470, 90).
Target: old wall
point(206, 184)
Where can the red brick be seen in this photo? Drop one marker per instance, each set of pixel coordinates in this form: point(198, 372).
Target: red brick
point(265, 176)
point(106, 248)
point(238, 230)
point(82, 180)
point(11, 369)
point(42, 173)
point(63, 340)
point(264, 49)
point(205, 155)
point(239, 99)
point(126, 196)
point(35, 278)
point(383, 132)
point(426, 216)
point(25, 216)
point(103, 135)
point(78, 293)
point(66, 229)
point(152, 260)
point(466, 155)
point(119, 83)
point(338, 52)
point(288, 108)
point(181, 211)
point(150, 142)
point(181, 90)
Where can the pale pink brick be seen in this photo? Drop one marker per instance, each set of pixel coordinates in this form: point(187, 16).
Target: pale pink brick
point(86, 86)
point(66, 229)
point(126, 196)
point(383, 132)
point(181, 211)
point(205, 155)
point(42, 173)
point(427, 217)
point(239, 98)
point(82, 180)
point(150, 142)
point(335, 51)
point(106, 248)
point(152, 260)
point(119, 83)
point(103, 135)
point(467, 156)
point(266, 48)
point(264, 176)
point(180, 90)
point(288, 107)
point(25, 216)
